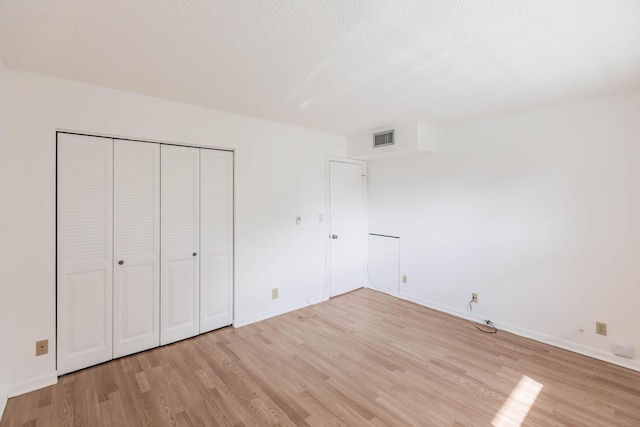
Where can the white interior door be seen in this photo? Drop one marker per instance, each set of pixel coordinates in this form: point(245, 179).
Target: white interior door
point(136, 247)
point(85, 251)
point(216, 244)
point(179, 281)
point(347, 221)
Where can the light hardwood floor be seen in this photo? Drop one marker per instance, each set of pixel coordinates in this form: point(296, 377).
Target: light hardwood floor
point(365, 359)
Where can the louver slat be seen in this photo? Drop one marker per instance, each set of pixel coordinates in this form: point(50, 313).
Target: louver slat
point(383, 138)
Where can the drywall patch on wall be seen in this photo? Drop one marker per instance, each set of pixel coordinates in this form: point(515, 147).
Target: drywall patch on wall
point(279, 173)
point(536, 212)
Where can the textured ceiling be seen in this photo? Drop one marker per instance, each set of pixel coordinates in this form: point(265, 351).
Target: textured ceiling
point(336, 65)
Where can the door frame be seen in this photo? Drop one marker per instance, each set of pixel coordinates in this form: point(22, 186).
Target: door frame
point(58, 132)
point(365, 201)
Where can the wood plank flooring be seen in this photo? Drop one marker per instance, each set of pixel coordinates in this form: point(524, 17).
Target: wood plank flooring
point(364, 359)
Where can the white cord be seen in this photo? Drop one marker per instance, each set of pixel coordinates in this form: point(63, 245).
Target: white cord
point(569, 335)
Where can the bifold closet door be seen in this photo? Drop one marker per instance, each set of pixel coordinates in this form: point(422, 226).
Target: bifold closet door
point(216, 234)
point(136, 247)
point(84, 251)
point(180, 243)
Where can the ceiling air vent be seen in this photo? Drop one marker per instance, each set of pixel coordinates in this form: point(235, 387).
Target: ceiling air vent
point(381, 139)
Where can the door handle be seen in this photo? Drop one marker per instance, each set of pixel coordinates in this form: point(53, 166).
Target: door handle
point(120, 262)
point(333, 236)
point(195, 254)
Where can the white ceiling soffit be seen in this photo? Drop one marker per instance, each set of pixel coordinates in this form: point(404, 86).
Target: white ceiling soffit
point(341, 66)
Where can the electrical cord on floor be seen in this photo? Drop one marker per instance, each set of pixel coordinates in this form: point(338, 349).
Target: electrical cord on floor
point(312, 306)
point(488, 323)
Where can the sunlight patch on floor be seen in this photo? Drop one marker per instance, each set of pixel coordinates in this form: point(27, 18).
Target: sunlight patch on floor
point(514, 411)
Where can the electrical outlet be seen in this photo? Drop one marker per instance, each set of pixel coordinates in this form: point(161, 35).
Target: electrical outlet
point(274, 293)
point(474, 297)
point(42, 347)
point(404, 278)
point(601, 328)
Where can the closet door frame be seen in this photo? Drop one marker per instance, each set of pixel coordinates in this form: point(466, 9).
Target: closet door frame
point(109, 348)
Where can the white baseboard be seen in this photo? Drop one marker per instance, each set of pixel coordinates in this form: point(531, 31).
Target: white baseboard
point(387, 291)
point(595, 353)
point(632, 364)
point(244, 321)
point(32, 384)
point(3, 404)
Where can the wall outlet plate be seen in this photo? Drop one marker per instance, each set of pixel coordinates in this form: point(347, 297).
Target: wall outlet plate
point(601, 328)
point(404, 278)
point(622, 349)
point(42, 347)
point(274, 293)
point(474, 297)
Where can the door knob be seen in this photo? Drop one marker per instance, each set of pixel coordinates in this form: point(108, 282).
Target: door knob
point(333, 236)
point(120, 262)
point(195, 254)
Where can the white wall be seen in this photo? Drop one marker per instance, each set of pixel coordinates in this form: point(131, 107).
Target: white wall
point(4, 97)
point(409, 138)
point(280, 173)
point(538, 212)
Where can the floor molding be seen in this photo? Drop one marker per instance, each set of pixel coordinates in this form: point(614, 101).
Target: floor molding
point(244, 321)
point(3, 404)
point(526, 333)
point(33, 384)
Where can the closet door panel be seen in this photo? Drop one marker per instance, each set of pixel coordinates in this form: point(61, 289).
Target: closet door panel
point(84, 251)
point(181, 298)
point(180, 231)
point(216, 294)
point(136, 247)
point(216, 274)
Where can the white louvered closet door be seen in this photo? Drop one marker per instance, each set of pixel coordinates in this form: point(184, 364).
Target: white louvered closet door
point(136, 247)
point(85, 221)
point(180, 243)
point(216, 231)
